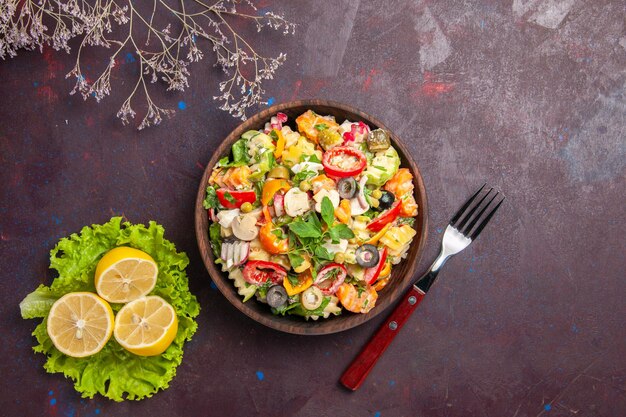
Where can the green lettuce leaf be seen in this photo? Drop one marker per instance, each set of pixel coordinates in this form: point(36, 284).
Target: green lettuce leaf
point(114, 372)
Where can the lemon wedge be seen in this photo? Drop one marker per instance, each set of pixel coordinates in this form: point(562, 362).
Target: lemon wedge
point(146, 326)
point(80, 324)
point(125, 274)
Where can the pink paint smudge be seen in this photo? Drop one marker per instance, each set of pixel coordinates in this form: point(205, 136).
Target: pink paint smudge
point(47, 94)
point(89, 121)
point(432, 87)
point(296, 90)
point(368, 81)
point(54, 65)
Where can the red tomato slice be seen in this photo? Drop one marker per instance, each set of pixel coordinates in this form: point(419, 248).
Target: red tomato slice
point(232, 199)
point(371, 274)
point(330, 278)
point(259, 272)
point(353, 167)
point(385, 217)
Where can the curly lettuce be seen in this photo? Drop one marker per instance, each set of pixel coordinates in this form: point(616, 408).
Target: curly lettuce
point(114, 372)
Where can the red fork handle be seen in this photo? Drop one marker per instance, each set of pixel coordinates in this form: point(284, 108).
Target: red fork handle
point(356, 373)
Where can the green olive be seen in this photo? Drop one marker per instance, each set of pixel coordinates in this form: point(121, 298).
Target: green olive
point(279, 172)
point(340, 258)
point(246, 207)
point(312, 298)
point(305, 186)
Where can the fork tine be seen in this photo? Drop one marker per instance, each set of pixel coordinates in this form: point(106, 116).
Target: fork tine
point(466, 205)
point(469, 215)
point(480, 227)
point(466, 230)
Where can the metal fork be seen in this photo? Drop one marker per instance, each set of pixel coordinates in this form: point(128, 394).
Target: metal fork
point(464, 228)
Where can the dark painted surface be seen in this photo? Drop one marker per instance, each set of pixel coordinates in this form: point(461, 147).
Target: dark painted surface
point(528, 95)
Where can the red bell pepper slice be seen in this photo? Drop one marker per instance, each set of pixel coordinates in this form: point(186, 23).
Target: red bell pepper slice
point(330, 277)
point(232, 199)
point(385, 217)
point(331, 168)
point(259, 272)
point(371, 274)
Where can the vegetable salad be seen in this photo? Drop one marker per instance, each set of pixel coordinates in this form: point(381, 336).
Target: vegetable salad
point(311, 221)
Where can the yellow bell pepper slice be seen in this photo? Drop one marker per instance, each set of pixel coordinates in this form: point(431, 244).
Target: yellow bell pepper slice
point(374, 239)
point(271, 187)
point(305, 281)
point(280, 144)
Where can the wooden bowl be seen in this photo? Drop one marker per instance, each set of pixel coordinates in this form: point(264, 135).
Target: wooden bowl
point(401, 274)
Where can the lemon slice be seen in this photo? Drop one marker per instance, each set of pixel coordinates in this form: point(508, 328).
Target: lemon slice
point(125, 274)
point(146, 326)
point(80, 324)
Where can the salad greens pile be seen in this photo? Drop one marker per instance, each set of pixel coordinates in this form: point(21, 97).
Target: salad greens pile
point(311, 218)
point(114, 372)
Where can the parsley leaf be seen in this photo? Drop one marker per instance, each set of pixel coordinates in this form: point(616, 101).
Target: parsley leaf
point(278, 233)
point(229, 197)
point(210, 201)
point(328, 211)
point(321, 126)
point(406, 220)
point(340, 231)
point(303, 175)
point(322, 253)
point(295, 259)
point(304, 229)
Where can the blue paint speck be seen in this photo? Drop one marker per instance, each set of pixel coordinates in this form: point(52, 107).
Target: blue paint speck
point(575, 329)
point(57, 220)
point(50, 392)
point(439, 230)
point(392, 383)
point(97, 411)
point(327, 353)
point(377, 414)
point(182, 105)
point(130, 58)
point(471, 269)
point(213, 286)
point(53, 401)
point(35, 84)
point(482, 24)
point(547, 407)
point(260, 375)
point(271, 101)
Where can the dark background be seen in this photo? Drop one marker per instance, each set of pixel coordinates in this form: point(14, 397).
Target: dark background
point(527, 95)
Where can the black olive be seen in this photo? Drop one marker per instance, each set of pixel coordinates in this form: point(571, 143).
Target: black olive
point(386, 200)
point(276, 296)
point(367, 256)
point(347, 187)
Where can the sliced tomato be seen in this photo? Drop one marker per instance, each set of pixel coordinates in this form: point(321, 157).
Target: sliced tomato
point(259, 272)
point(385, 217)
point(330, 277)
point(371, 274)
point(232, 199)
point(344, 161)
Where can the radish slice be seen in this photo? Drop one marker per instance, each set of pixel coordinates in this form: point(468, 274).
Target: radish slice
point(279, 201)
point(244, 251)
point(281, 117)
